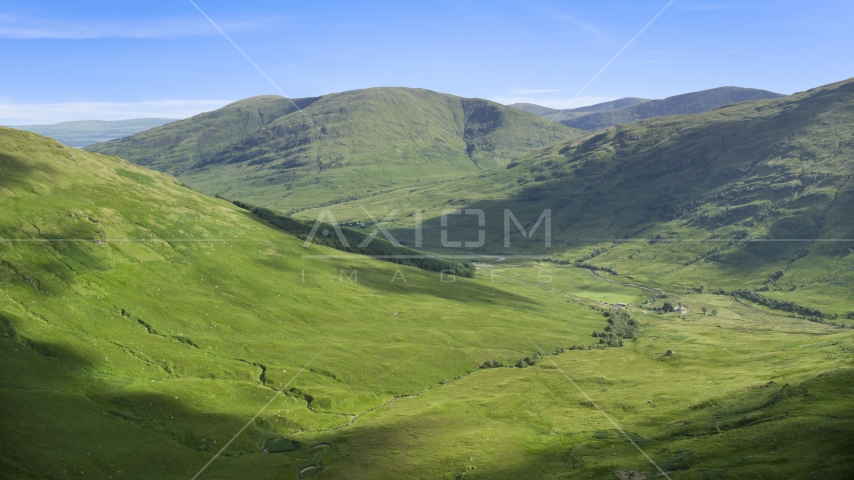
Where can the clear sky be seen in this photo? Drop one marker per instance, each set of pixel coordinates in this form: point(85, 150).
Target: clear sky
point(62, 60)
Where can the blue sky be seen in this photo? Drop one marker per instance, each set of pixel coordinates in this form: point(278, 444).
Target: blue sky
point(109, 60)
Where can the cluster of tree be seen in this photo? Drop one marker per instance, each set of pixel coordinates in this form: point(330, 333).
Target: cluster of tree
point(593, 254)
point(621, 325)
point(337, 201)
point(377, 247)
point(492, 364)
point(829, 322)
point(530, 361)
point(667, 307)
point(559, 261)
point(594, 267)
point(775, 304)
point(776, 276)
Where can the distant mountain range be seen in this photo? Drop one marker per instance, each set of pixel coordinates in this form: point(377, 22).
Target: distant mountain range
point(340, 146)
point(558, 115)
point(627, 110)
point(82, 133)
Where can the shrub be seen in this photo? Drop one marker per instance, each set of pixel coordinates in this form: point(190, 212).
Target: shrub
point(621, 325)
point(492, 364)
point(775, 304)
point(777, 275)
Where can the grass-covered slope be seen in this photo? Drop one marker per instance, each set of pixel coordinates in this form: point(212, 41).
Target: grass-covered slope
point(749, 188)
point(176, 147)
point(140, 316)
point(83, 133)
point(142, 325)
point(695, 102)
point(558, 115)
point(345, 145)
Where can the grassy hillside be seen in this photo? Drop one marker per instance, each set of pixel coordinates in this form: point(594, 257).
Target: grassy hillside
point(558, 115)
point(724, 199)
point(695, 102)
point(345, 145)
point(144, 324)
point(176, 147)
point(83, 133)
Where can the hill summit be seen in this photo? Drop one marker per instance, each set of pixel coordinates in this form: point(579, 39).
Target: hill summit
point(339, 146)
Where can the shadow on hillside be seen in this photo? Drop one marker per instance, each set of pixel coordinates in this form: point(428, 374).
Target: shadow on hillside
point(801, 426)
point(705, 181)
point(16, 168)
point(417, 281)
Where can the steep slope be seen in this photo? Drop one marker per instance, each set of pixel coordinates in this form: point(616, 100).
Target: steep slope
point(695, 102)
point(83, 133)
point(139, 315)
point(342, 146)
point(558, 115)
point(144, 324)
point(725, 198)
point(176, 147)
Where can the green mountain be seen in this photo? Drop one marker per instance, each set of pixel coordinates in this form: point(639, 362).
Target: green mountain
point(695, 102)
point(341, 146)
point(724, 199)
point(146, 328)
point(558, 115)
point(83, 133)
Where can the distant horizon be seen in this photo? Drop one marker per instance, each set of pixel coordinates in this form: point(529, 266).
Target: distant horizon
point(65, 62)
point(544, 102)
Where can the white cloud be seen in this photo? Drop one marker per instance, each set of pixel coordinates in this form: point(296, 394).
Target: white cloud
point(21, 28)
point(50, 113)
point(553, 102)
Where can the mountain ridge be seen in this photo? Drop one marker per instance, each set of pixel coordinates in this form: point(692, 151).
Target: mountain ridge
point(686, 103)
point(344, 145)
point(557, 114)
point(743, 185)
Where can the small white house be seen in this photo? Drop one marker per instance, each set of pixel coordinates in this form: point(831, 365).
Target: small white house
point(680, 310)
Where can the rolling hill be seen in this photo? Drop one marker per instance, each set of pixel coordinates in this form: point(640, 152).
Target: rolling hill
point(145, 326)
point(695, 102)
point(719, 200)
point(79, 134)
point(341, 146)
point(558, 115)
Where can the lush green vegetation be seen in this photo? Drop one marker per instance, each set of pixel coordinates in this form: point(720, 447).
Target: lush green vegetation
point(177, 147)
point(343, 146)
point(695, 102)
point(325, 234)
point(143, 324)
point(719, 200)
